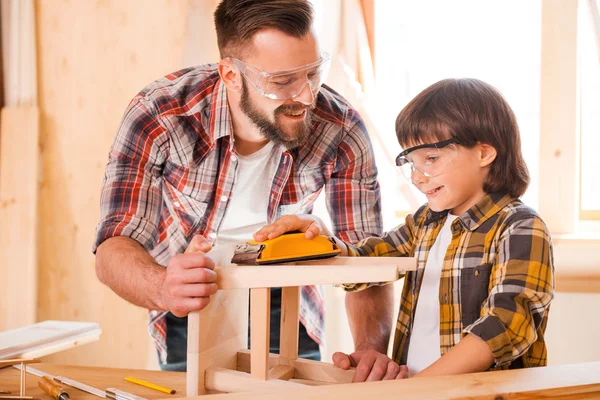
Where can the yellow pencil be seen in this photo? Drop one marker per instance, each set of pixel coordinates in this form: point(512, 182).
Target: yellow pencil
point(150, 385)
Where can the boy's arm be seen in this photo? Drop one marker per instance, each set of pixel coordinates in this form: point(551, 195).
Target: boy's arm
point(471, 354)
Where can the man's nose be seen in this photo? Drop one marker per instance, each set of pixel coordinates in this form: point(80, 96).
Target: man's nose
point(306, 95)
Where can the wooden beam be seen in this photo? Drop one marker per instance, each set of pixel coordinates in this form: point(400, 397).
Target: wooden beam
point(284, 372)
point(321, 371)
point(290, 304)
point(243, 360)
point(260, 318)
point(335, 271)
point(230, 381)
point(304, 369)
point(194, 379)
point(368, 9)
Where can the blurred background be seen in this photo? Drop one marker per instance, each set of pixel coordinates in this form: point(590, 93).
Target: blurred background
point(70, 68)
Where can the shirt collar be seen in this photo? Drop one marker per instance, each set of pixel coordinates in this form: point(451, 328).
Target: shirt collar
point(471, 219)
point(220, 115)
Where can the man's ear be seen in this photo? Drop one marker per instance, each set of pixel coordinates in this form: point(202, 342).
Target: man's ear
point(230, 75)
point(487, 154)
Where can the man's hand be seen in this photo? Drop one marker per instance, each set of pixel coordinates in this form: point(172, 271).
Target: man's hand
point(370, 366)
point(190, 279)
point(309, 224)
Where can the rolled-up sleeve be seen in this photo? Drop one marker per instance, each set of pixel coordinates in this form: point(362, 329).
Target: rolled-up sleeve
point(131, 200)
point(521, 288)
point(399, 242)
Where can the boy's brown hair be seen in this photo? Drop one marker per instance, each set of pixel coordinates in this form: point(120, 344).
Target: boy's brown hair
point(471, 111)
point(236, 21)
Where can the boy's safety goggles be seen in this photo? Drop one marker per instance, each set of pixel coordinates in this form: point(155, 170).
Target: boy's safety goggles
point(285, 85)
point(429, 159)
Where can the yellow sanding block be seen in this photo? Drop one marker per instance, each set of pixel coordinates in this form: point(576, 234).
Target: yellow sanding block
point(285, 248)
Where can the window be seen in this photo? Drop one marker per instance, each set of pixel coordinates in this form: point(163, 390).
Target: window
point(420, 43)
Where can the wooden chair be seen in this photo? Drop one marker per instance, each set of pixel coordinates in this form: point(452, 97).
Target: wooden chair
point(217, 359)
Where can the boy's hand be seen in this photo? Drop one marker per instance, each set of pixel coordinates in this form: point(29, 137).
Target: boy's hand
point(190, 279)
point(311, 226)
point(370, 366)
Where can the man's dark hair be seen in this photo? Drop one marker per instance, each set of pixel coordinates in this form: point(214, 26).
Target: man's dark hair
point(236, 21)
point(471, 111)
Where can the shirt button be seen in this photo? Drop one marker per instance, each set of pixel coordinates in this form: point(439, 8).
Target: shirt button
point(233, 158)
point(223, 198)
point(212, 235)
point(176, 204)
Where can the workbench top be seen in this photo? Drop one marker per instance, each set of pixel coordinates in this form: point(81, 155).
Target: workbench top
point(575, 381)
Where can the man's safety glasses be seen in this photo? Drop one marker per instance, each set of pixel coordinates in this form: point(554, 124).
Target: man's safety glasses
point(288, 84)
point(429, 159)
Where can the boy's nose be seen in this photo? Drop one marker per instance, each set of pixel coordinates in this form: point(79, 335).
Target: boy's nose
point(417, 177)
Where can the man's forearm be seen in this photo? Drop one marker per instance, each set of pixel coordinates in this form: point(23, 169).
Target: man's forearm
point(370, 317)
point(126, 267)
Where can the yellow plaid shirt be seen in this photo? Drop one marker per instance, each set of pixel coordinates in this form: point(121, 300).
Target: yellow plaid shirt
point(497, 279)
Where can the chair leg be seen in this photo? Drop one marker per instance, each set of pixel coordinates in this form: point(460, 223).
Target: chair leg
point(260, 318)
point(290, 304)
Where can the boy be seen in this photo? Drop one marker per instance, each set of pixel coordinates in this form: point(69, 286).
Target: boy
point(485, 278)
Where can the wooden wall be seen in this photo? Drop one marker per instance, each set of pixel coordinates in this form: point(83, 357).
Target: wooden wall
point(93, 57)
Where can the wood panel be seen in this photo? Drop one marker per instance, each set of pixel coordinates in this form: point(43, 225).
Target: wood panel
point(94, 56)
point(19, 154)
point(559, 163)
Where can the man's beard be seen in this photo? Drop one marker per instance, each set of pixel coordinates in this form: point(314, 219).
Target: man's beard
point(274, 131)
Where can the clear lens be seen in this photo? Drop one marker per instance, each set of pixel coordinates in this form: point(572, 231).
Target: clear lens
point(430, 161)
point(289, 85)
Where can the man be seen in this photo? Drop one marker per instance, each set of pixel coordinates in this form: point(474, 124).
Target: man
point(218, 151)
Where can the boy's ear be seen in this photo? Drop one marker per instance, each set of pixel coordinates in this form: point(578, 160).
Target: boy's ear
point(230, 75)
point(487, 154)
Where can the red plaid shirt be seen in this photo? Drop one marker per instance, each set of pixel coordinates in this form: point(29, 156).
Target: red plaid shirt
point(172, 167)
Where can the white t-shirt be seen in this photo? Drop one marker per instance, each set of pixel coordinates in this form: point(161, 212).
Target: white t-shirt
point(424, 345)
point(247, 208)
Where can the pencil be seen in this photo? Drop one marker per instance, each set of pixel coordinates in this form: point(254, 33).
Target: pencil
point(150, 385)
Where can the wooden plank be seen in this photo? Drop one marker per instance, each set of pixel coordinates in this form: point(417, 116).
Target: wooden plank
point(290, 304)
point(79, 122)
point(243, 360)
point(260, 318)
point(229, 381)
point(559, 161)
point(321, 371)
point(14, 361)
point(224, 332)
point(336, 271)
point(304, 369)
point(19, 161)
point(284, 372)
point(576, 381)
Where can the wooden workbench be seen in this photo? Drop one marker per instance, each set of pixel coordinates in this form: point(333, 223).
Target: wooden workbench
point(576, 381)
point(100, 378)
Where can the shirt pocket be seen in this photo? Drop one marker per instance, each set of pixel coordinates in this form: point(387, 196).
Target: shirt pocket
point(303, 190)
point(185, 209)
point(474, 290)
